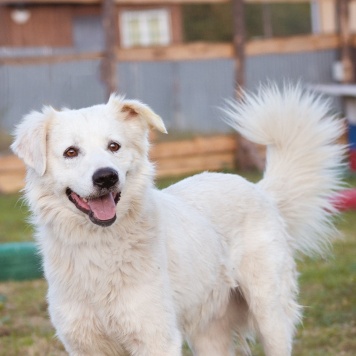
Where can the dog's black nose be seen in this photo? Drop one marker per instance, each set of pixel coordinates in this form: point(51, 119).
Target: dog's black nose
point(105, 178)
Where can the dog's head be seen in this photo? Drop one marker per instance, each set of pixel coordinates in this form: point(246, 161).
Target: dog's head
point(87, 155)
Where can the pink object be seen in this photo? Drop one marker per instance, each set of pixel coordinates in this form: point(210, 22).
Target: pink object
point(345, 200)
point(353, 160)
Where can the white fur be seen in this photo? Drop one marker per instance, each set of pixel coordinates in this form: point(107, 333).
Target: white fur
point(209, 259)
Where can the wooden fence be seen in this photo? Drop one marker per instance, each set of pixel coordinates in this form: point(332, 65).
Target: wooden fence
point(197, 50)
point(172, 158)
point(12, 174)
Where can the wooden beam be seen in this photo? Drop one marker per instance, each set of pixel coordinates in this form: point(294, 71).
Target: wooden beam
point(144, 2)
point(30, 60)
point(325, 12)
point(239, 42)
point(203, 153)
point(267, 20)
point(206, 50)
point(189, 51)
point(119, 2)
point(150, 2)
point(108, 68)
point(193, 164)
point(345, 36)
point(293, 44)
point(247, 153)
point(200, 145)
point(197, 50)
point(278, 1)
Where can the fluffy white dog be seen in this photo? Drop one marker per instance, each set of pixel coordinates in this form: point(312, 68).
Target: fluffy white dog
point(133, 270)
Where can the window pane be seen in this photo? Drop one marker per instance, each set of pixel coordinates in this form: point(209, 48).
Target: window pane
point(145, 28)
point(134, 32)
point(155, 31)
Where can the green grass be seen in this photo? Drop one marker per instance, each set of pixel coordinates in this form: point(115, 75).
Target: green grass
point(329, 296)
point(25, 328)
point(13, 219)
point(327, 290)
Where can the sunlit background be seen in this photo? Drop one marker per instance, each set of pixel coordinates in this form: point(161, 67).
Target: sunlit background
point(184, 58)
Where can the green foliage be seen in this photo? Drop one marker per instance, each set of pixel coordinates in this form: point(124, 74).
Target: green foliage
point(207, 22)
point(290, 19)
point(214, 22)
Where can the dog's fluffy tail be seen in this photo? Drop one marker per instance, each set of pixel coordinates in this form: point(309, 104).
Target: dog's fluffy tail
point(303, 162)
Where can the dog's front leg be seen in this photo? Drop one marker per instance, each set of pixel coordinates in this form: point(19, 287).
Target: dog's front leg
point(151, 329)
point(147, 330)
point(80, 331)
point(155, 343)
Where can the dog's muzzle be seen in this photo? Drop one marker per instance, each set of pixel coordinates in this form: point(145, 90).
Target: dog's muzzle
point(101, 207)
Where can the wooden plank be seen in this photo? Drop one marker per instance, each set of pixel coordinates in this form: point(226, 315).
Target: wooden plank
point(149, 2)
point(187, 51)
point(345, 37)
point(292, 44)
point(204, 50)
point(196, 50)
point(197, 146)
point(119, 2)
point(11, 163)
point(239, 43)
point(278, 1)
point(174, 158)
point(192, 164)
point(176, 23)
point(12, 174)
point(11, 182)
point(31, 60)
point(5, 33)
point(327, 16)
point(41, 29)
point(108, 67)
point(145, 2)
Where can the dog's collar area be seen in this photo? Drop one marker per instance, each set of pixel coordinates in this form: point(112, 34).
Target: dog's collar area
point(101, 210)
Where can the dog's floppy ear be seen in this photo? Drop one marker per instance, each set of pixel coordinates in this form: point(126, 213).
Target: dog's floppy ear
point(30, 139)
point(135, 109)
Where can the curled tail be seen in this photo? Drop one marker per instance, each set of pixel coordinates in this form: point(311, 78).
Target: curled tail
point(303, 162)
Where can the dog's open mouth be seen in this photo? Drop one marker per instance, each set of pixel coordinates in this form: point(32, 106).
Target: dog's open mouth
point(101, 210)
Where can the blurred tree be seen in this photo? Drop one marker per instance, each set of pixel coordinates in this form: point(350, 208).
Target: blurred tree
point(213, 22)
point(207, 22)
point(291, 19)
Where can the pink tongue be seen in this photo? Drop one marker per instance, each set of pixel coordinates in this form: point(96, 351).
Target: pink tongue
point(103, 208)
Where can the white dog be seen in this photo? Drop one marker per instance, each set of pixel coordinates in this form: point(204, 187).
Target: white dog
point(134, 270)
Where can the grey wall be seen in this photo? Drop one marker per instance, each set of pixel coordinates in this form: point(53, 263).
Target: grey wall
point(186, 94)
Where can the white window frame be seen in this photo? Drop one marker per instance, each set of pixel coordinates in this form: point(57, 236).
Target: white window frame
point(143, 17)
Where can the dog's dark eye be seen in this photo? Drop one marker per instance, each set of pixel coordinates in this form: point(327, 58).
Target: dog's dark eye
point(113, 146)
point(71, 152)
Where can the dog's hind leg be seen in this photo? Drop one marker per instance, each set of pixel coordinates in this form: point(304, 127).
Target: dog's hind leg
point(270, 290)
point(218, 338)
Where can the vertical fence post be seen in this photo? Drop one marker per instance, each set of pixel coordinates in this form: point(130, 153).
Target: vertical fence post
point(238, 10)
point(248, 156)
point(345, 36)
point(267, 20)
point(108, 68)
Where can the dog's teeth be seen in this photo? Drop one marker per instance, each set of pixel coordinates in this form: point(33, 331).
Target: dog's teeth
point(85, 200)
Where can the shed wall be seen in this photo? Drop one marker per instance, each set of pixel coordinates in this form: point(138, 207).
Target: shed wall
point(187, 94)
